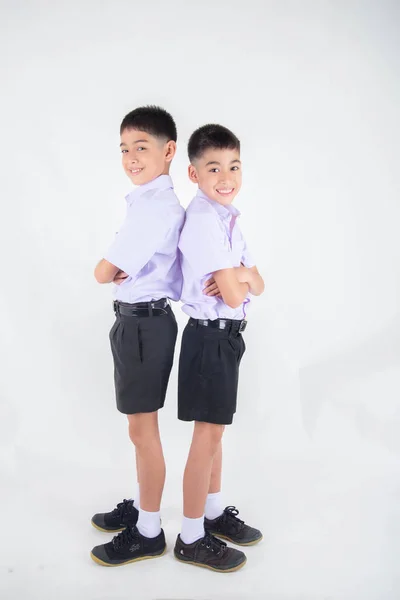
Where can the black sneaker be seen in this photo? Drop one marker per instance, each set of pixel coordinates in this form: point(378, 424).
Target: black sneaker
point(127, 547)
point(230, 528)
point(211, 553)
point(123, 515)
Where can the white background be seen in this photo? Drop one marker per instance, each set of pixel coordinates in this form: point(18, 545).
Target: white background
point(312, 88)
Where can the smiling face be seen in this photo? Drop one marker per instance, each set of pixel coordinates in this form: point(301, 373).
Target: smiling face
point(218, 174)
point(144, 156)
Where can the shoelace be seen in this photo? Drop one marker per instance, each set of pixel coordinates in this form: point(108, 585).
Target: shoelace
point(122, 508)
point(230, 514)
point(126, 537)
point(212, 543)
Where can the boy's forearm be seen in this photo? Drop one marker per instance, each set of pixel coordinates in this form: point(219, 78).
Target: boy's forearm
point(243, 291)
point(105, 271)
point(256, 283)
point(252, 277)
point(233, 291)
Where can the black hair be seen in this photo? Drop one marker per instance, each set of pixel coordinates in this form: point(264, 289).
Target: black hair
point(210, 137)
point(153, 120)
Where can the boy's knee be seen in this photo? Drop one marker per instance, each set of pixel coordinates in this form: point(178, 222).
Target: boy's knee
point(142, 430)
point(134, 432)
point(211, 434)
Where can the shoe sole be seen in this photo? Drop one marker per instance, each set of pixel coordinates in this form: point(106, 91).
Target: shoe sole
point(110, 530)
point(224, 537)
point(106, 530)
point(195, 564)
point(104, 564)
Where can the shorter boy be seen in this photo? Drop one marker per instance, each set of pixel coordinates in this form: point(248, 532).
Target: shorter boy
point(215, 257)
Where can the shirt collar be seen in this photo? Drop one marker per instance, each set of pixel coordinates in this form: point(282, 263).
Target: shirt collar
point(225, 212)
point(162, 182)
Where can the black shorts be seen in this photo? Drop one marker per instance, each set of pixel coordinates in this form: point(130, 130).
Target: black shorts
point(143, 352)
point(209, 372)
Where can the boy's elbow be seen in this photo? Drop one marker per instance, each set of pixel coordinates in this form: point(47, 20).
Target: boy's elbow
point(99, 276)
point(259, 291)
point(234, 301)
point(235, 304)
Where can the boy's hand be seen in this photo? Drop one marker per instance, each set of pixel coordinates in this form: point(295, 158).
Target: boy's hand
point(120, 277)
point(211, 288)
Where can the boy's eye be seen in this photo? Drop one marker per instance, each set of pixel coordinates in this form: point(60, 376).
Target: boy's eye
point(214, 170)
point(123, 151)
point(141, 148)
point(235, 168)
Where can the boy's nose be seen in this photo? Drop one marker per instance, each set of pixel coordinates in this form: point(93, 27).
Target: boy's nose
point(224, 179)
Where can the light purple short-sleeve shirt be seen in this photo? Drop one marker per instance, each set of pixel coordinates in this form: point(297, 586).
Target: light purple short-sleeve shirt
point(146, 246)
point(210, 240)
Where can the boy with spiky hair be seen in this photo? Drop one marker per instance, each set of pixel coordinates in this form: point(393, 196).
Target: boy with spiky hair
point(215, 257)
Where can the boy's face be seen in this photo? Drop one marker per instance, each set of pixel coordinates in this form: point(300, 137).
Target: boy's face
point(144, 156)
point(218, 174)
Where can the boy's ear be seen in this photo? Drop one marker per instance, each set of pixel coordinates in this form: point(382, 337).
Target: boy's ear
point(193, 174)
point(170, 150)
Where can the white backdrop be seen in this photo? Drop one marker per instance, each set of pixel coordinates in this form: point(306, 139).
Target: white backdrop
point(312, 88)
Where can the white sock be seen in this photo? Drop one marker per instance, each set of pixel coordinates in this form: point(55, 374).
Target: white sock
point(214, 506)
point(149, 523)
point(192, 530)
point(136, 501)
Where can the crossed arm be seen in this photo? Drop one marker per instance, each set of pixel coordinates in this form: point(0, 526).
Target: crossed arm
point(233, 285)
point(106, 272)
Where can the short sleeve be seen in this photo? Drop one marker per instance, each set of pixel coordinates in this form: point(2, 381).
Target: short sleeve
point(205, 245)
point(247, 258)
point(141, 235)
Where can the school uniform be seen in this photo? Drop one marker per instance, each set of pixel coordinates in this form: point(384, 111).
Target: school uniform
point(144, 333)
point(212, 342)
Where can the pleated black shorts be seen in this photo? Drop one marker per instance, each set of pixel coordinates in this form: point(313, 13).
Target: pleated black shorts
point(143, 352)
point(208, 373)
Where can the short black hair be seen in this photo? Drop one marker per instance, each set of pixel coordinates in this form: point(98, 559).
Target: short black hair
point(210, 137)
point(153, 120)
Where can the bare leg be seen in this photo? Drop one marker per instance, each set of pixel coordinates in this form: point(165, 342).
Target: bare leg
point(145, 435)
point(197, 476)
point(137, 467)
point(216, 471)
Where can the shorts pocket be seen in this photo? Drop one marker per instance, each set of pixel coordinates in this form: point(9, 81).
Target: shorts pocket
point(237, 347)
point(113, 329)
point(132, 340)
point(242, 348)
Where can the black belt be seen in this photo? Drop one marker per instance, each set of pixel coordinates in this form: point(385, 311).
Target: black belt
point(229, 324)
point(155, 308)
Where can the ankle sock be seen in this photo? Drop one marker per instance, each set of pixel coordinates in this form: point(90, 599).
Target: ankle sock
point(214, 506)
point(192, 530)
point(149, 523)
